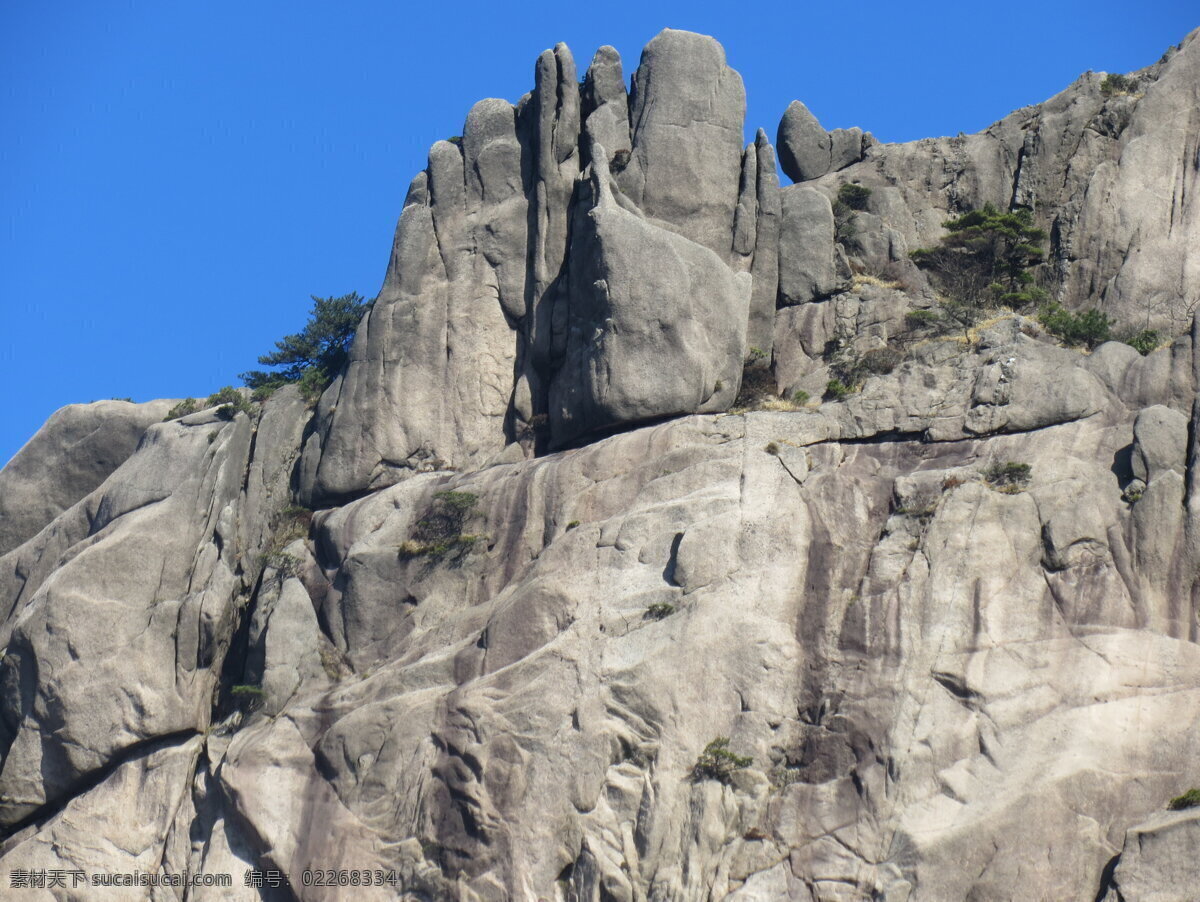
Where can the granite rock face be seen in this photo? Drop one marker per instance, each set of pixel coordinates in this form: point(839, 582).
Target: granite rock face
point(68, 457)
point(1111, 175)
point(473, 326)
point(570, 588)
point(807, 151)
point(657, 323)
point(1158, 861)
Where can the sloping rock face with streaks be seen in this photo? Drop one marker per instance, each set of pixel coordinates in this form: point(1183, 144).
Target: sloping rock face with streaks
point(564, 590)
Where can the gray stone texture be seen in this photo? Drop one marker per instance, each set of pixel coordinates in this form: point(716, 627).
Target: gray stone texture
point(549, 567)
point(75, 451)
point(1158, 862)
point(471, 329)
point(657, 323)
point(807, 151)
point(808, 267)
point(1112, 178)
point(687, 112)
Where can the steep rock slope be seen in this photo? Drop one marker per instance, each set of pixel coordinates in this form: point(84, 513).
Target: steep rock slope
point(1112, 174)
point(72, 454)
point(946, 623)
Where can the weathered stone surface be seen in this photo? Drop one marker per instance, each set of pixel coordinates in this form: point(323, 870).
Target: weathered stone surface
point(687, 112)
point(846, 147)
point(1158, 861)
point(1111, 178)
point(807, 151)
point(67, 458)
point(496, 671)
point(764, 270)
point(496, 209)
point(270, 778)
point(1000, 689)
point(1160, 439)
point(657, 323)
point(804, 147)
point(553, 128)
point(807, 265)
point(119, 640)
point(605, 103)
point(115, 828)
point(430, 373)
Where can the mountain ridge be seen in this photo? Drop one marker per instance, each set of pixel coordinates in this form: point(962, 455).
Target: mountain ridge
point(567, 521)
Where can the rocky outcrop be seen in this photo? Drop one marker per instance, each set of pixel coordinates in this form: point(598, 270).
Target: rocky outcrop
point(808, 264)
point(1158, 860)
point(73, 453)
point(570, 587)
point(472, 329)
point(1110, 173)
point(687, 113)
point(657, 323)
point(122, 608)
point(807, 151)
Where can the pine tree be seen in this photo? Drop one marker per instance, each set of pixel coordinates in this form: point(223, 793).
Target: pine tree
point(986, 259)
point(314, 356)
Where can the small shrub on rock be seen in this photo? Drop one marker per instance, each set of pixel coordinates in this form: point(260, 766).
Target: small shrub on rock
point(660, 610)
point(918, 320)
point(987, 257)
point(287, 565)
point(263, 392)
point(182, 409)
point(1009, 477)
point(758, 385)
point(716, 762)
point(880, 361)
point(313, 383)
point(315, 355)
point(1145, 341)
point(439, 532)
point(850, 199)
point(1115, 84)
point(837, 390)
point(1190, 799)
point(1086, 329)
point(229, 402)
point(854, 196)
point(849, 369)
point(294, 523)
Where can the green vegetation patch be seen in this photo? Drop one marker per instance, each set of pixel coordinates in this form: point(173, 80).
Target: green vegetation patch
point(182, 409)
point(312, 357)
point(1145, 341)
point(229, 402)
point(1086, 329)
point(853, 196)
point(987, 258)
point(1009, 477)
point(439, 533)
point(716, 762)
point(1115, 85)
point(1190, 799)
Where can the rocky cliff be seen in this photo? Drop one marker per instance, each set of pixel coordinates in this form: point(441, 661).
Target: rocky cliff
point(484, 619)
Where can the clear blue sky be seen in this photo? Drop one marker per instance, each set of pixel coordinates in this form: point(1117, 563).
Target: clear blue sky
point(177, 177)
